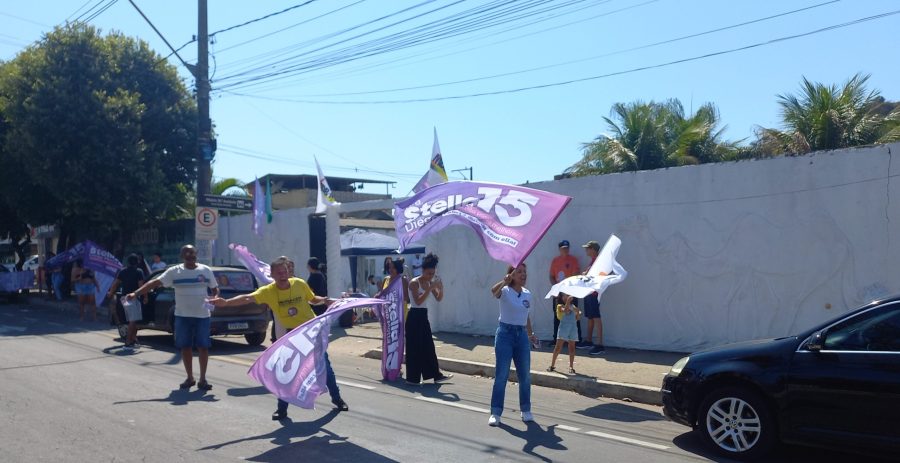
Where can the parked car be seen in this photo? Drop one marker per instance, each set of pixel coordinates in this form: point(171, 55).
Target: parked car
point(250, 320)
point(836, 385)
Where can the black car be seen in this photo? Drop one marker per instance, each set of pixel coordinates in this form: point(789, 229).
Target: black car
point(249, 320)
point(836, 385)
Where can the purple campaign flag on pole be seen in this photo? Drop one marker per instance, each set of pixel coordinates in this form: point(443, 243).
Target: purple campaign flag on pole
point(508, 219)
point(293, 367)
point(392, 333)
point(258, 268)
point(259, 208)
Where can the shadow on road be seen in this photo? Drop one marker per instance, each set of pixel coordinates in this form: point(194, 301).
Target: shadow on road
point(535, 436)
point(620, 412)
point(178, 397)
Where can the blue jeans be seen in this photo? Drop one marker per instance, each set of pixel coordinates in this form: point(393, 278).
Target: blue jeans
point(511, 344)
point(57, 279)
point(333, 390)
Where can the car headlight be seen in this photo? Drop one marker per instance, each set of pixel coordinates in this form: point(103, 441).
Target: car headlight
point(679, 365)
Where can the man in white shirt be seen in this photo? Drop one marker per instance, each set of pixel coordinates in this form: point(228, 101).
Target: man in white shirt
point(191, 281)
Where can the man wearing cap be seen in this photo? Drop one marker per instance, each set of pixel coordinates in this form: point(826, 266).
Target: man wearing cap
point(561, 267)
point(592, 308)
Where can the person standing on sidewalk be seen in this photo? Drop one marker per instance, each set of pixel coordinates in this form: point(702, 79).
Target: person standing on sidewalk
point(130, 278)
point(291, 300)
point(421, 358)
point(158, 263)
point(512, 342)
point(567, 313)
point(191, 282)
point(316, 282)
point(592, 308)
point(561, 267)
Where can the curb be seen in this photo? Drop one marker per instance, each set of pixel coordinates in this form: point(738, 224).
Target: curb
point(589, 387)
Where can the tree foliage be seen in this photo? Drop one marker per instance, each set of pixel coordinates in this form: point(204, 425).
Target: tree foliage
point(655, 135)
point(825, 117)
point(98, 134)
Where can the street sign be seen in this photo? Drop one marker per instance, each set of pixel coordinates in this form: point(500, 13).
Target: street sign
point(225, 203)
point(207, 226)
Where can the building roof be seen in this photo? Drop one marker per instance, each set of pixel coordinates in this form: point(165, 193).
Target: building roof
point(310, 182)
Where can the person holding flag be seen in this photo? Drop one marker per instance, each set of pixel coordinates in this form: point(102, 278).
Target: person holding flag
point(290, 299)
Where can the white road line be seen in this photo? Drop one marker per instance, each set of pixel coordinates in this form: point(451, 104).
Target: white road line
point(568, 428)
point(361, 386)
point(454, 404)
point(627, 440)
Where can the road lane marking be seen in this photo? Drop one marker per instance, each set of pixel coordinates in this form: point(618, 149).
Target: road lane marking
point(361, 386)
point(627, 440)
point(568, 428)
point(454, 404)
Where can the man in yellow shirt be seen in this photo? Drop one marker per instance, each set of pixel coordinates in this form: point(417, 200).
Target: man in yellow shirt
point(290, 299)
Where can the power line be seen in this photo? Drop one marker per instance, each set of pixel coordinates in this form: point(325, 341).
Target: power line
point(97, 13)
point(254, 154)
point(585, 79)
point(261, 18)
point(174, 51)
point(79, 9)
point(564, 63)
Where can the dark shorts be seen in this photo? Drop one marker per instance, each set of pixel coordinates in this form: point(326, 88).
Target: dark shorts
point(592, 307)
point(192, 332)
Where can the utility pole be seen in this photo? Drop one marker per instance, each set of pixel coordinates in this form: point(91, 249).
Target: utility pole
point(464, 169)
point(206, 148)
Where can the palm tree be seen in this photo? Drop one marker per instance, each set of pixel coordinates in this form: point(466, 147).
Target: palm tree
point(655, 135)
point(824, 117)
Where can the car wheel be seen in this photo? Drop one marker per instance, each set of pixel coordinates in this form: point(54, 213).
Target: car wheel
point(255, 339)
point(737, 423)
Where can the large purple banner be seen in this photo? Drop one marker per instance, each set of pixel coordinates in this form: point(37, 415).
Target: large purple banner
point(509, 220)
point(392, 333)
point(293, 367)
point(104, 264)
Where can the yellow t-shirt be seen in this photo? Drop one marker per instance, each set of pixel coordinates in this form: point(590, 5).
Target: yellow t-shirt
point(560, 314)
point(290, 306)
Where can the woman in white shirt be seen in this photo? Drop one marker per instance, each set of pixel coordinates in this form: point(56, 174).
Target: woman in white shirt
point(512, 342)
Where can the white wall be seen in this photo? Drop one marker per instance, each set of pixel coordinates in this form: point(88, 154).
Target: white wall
point(715, 253)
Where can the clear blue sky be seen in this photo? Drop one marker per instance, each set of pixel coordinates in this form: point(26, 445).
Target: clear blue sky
point(273, 127)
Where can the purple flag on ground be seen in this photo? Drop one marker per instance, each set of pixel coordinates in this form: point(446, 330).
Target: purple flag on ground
point(509, 219)
point(392, 334)
point(293, 367)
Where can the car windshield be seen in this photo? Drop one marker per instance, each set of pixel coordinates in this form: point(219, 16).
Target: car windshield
point(235, 281)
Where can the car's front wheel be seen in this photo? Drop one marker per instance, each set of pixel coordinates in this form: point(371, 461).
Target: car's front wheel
point(255, 339)
point(737, 423)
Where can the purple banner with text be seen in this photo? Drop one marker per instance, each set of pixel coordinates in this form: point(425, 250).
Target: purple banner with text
point(508, 219)
point(293, 367)
point(393, 335)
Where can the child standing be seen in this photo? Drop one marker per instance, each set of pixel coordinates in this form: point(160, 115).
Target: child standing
point(568, 315)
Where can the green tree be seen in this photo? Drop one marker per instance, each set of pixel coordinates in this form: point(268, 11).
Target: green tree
point(824, 117)
point(655, 135)
point(99, 132)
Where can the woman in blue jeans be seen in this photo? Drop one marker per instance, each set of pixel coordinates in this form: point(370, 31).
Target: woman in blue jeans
point(513, 342)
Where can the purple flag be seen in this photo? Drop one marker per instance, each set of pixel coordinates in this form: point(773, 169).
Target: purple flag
point(293, 367)
point(392, 334)
point(103, 263)
point(259, 208)
point(509, 219)
point(258, 268)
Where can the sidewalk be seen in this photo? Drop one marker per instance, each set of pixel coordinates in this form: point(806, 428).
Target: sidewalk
point(625, 374)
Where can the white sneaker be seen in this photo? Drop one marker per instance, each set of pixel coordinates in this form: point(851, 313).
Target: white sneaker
point(494, 420)
point(527, 417)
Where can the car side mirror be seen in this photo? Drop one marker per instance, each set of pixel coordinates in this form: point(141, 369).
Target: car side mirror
point(816, 341)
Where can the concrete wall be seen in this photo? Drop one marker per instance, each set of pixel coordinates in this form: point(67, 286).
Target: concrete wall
point(715, 253)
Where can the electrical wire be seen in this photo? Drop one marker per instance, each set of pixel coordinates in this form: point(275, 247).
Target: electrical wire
point(261, 18)
point(585, 79)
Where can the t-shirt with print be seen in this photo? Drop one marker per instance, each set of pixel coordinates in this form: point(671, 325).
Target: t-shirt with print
point(563, 267)
point(514, 306)
point(190, 288)
point(290, 306)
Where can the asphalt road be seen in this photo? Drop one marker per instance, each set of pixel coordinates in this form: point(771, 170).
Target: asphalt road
point(69, 392)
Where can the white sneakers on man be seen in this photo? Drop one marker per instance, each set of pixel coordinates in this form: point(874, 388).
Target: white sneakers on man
point(527, 417)
point(494, 420)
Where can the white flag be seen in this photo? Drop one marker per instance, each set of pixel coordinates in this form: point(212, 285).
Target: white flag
point(604, 272)
point(325, 197)
point(436, 173)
